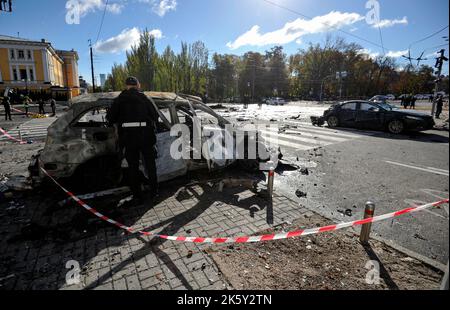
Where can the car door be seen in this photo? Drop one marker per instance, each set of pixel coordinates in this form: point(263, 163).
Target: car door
point(214, 137)
point(347, 114)
point(167, 167)
point(93, 136)
point(369, 116)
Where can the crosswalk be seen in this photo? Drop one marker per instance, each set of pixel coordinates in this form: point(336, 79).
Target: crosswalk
point(297, 135)
point(304, 136)
point(34, 129)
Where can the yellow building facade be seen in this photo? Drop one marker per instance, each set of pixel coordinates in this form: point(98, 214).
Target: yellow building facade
point(36, 67)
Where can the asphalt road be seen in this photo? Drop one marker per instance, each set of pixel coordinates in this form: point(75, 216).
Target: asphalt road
point(350, 167)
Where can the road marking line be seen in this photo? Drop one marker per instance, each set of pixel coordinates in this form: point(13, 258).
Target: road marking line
point(317, 142)
point(430, 192)
point(308, 134)
point(437, 169)
point(417, 168)
point(296, 146)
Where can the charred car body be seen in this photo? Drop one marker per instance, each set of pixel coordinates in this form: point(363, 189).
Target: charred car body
point(375, 116)
point(80, 145)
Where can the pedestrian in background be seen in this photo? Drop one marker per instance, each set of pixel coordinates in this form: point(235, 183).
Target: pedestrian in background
point(41, 106)
point(53, 106)
point(26, 105)
point(7, 106)
point(406, 102)
point(439, 105)
point(413, 102)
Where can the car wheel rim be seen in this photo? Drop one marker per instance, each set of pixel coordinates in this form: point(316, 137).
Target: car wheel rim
point(332, 121)
point(396, 127)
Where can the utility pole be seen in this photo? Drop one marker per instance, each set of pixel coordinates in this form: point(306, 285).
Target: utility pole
point(253, 81)
point(92, 66)
point(439, 63)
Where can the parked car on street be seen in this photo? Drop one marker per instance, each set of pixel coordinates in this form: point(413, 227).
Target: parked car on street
point(390, 97)
point(379, 98)
point(376, 116)
point(81, 145)
point(276, 101)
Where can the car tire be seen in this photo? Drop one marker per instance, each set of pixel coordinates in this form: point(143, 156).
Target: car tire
point(333, 121)
point(396, 127)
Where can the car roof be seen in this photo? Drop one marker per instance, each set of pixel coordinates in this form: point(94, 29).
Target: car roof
point(113, 95)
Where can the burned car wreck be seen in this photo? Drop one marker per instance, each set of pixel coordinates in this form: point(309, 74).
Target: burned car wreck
point(81, 147)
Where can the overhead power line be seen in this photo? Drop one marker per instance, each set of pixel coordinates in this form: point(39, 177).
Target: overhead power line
point(328, 25)
point(428, 37)
point(101, 23)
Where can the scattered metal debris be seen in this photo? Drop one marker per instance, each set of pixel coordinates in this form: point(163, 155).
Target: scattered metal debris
point(110, 192)
point(301, 194)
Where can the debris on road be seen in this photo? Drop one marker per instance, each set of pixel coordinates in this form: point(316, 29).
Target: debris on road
point(332, 262)
point(301, 194)
point(110, 192)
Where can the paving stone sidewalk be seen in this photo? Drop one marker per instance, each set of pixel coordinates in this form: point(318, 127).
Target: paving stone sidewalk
point(41, 241)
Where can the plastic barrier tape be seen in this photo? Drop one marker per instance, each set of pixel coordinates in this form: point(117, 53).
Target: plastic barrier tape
point(246, 239)
point(11, 137)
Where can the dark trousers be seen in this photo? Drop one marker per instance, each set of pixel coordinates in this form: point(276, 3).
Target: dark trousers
point(41, 110)
point(137, 142)
point(8, 114)
point(438, 111)
point(53, 110)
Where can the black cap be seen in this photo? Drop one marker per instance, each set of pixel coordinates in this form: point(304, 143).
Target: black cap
point(132, 81)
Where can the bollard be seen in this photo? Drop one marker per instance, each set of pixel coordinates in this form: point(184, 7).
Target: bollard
point(365, 229)
point(20, 135)
point(270, 182)
point(444, 284)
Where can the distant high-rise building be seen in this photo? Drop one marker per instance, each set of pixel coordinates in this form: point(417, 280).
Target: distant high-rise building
point(102, 80)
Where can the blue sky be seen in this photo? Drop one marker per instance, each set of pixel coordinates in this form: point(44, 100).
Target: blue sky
point(227, 26)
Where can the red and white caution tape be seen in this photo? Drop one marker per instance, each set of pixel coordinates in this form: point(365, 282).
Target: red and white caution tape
point(3, 132)
point(298, 233)
point(20, 111)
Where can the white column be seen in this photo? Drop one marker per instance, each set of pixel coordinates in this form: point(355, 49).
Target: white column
point(28, 73)
point(45, 65)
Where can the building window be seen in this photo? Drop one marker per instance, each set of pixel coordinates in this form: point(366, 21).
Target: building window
point(23, 74)
point(13, 54)
point(29, 55)
point(31, 75)
point(21, 54)
point(15, 77)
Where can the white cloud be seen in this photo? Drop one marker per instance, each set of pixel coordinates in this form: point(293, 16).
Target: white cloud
point(386, 23)
point(392, 54)
point(90, 6)
point(396, 54)
point(156, 33)
point(123, 41)
point(369, 53)
point(293, 31)
point(161, 7)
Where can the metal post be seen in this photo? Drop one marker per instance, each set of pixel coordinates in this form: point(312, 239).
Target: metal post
point(365, 229)
point(20, 135)
point(444, 285)
point(270, 181)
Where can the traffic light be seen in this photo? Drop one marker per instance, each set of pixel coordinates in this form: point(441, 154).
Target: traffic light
point(6, 5)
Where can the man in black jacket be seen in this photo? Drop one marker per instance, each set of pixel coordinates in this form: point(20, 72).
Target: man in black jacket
point(135, 117)
point(7, 107)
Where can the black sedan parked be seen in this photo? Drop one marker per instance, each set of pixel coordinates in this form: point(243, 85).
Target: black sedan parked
point(376, 116)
